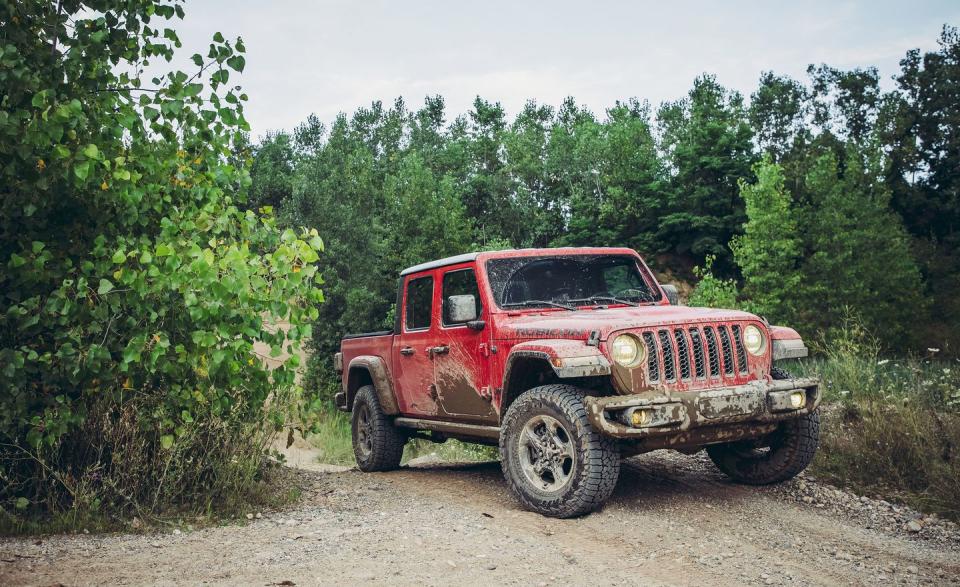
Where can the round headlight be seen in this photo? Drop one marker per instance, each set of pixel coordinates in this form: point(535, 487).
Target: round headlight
point(754, 340)
point(626, 351)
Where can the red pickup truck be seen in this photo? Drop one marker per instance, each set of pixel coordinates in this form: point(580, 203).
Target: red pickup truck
point(569, 359)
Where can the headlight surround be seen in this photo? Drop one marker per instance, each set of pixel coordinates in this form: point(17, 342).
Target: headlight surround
point(754, 340)
point(627, 350)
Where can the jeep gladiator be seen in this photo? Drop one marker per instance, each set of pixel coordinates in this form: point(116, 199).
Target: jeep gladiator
point(568, 359)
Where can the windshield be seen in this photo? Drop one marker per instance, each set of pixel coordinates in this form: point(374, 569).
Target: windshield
point(568, 281)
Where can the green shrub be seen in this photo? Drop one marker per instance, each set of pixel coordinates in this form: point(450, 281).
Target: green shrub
point(133, 286)
point(890, 426)
point(712, 291)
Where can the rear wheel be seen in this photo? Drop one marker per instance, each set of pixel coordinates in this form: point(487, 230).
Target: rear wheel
point(554, 461)
point(779, 456)
point(377, 443)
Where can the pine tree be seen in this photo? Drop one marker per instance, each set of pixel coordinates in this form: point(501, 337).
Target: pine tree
point(860, 257)
point(769, 251)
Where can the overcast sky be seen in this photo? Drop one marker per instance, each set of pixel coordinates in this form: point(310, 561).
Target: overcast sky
point(326, 57)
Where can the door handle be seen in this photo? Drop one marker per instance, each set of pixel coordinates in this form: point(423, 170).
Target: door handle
point(439, 350)
point(407, 351)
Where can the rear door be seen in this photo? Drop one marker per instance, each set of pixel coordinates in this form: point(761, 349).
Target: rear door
point(461, 356)
point(413, 367)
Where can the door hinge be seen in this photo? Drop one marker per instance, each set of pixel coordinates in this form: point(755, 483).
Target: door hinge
point(484, 349)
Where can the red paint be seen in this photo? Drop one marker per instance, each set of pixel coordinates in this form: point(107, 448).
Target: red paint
point(464, 383)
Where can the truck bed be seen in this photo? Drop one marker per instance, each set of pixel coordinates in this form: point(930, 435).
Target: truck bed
point(376, 344)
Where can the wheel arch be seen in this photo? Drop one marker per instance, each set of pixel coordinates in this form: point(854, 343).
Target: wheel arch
point(540, 362)
point(371, 370)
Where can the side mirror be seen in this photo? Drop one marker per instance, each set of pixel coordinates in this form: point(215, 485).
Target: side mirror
point(461, 309)
point(476, 324)
point(672, 294)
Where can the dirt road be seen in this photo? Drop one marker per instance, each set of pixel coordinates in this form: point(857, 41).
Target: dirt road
point(672, 521)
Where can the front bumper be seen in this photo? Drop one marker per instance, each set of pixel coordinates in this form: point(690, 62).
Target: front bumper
point(701, 415)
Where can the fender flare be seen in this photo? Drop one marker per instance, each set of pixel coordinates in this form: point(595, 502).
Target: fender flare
point(567, 358)
point(786, 343)
point(379, 375)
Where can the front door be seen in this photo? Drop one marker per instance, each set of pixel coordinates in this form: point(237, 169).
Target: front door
point(461, 354)
point(413, 365)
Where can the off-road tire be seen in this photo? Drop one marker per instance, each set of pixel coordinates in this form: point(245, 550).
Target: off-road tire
point(792, 447)
point(597, 458)
point(378, 445)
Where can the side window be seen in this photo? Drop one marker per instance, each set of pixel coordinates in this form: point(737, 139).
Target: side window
point(419, 303)
point(459, 283)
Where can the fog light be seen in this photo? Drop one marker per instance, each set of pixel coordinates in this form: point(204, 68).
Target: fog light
point(639, 418)
point(797, 399)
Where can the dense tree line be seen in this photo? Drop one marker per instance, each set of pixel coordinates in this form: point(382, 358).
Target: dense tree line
point(819, 198)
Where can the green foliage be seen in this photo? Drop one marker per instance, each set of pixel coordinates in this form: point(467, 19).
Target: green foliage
point(272, 171)
point(134, 288)
point(382, 205)
point(708, 142)
point(769, 251)
point(712, 291)
point(860, 255)
point(923, 137)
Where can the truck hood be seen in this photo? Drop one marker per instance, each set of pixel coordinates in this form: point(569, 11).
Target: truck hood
point(578, 324)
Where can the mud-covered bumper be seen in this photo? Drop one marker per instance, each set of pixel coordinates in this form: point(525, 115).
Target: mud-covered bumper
point(659, 413)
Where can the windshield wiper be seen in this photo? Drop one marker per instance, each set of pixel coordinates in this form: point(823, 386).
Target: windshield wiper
point(540, 302)
point(606, 299)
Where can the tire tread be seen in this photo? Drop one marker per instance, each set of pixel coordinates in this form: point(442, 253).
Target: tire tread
point(388, 441)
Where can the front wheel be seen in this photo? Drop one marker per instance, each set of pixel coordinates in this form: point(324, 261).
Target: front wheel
point(554, 461)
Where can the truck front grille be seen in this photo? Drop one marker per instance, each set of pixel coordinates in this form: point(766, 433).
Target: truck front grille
point(696, 353)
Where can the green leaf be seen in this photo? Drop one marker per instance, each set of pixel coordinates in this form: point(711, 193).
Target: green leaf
point(192, 90)
point(163, 250)
point(82, 170)
point(91, 151)
point(119, 257)
point(166, 441)
point(186, 417)
point(218, 37)
point(237, 62)
point(37, 246)
point(198, 59)
point(16, 260)
point(105, 287)
point(22, 503)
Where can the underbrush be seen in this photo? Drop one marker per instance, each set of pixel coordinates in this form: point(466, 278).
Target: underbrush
point(114, 475)
point(891, 427)
point(332, 438)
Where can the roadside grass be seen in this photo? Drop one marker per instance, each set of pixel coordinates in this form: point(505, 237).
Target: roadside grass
point(891, 427)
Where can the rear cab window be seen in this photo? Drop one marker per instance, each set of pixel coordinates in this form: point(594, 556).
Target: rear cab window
point(418, 308)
